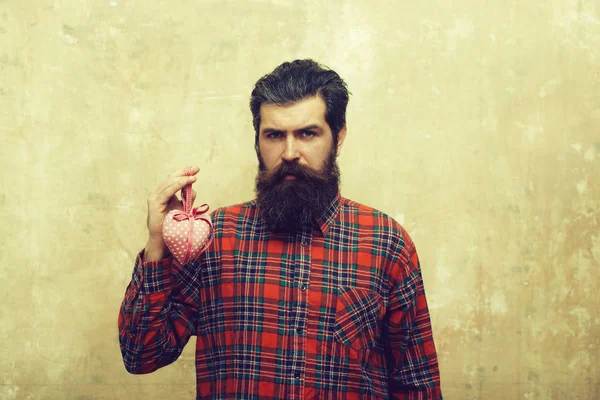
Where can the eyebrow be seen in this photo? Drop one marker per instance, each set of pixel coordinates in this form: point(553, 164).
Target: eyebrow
point(304, 128)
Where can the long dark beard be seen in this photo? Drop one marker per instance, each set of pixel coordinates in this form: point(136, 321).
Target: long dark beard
point(287, 205)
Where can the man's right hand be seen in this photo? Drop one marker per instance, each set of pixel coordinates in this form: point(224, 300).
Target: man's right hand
point(160, 202)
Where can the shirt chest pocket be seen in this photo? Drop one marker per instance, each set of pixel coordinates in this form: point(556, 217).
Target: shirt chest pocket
point(357, 318)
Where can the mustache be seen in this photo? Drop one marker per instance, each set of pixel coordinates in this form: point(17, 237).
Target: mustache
point(292, 168)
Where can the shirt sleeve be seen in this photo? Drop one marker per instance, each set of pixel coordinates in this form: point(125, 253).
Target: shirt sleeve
point(412, 358)
point(158, 314)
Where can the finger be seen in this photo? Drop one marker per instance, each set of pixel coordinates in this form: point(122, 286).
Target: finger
point(193, 170)
point(181, 173)
point(175, 185)
point(193, 195)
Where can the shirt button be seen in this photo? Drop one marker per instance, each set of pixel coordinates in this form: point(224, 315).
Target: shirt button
point(304, 242)
point(299, 331)
point(297, 375)
point(303, 287)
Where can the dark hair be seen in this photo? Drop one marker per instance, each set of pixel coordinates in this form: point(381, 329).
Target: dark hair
point(297, 80)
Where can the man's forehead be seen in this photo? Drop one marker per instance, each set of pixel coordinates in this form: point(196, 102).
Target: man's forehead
point(309, 111)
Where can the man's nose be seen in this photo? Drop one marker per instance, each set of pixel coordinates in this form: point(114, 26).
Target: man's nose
point(291, 152)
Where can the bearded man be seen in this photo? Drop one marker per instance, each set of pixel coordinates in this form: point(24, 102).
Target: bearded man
point(303, 294)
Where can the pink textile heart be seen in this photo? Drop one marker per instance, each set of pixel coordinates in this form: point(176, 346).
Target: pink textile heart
point(188, 232)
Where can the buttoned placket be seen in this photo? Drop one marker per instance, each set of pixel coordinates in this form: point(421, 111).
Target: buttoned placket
point(302, 261)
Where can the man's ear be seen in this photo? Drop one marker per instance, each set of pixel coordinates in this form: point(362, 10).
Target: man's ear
point(340, 141)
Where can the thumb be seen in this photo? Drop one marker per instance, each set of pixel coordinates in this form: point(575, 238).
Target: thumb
point(193, 196)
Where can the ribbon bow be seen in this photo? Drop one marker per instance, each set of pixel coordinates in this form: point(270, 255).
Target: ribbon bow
point(195, 213)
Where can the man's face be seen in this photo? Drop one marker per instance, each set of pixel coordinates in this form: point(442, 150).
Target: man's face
point(298, 173)
point(296, 132)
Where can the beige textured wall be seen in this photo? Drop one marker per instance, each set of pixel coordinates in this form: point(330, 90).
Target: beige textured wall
point(475, 124)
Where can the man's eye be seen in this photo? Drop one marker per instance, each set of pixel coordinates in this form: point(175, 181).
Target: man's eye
point(274, 135)
point(308, 134)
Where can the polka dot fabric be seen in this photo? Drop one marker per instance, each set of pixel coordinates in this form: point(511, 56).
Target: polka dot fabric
point(188, 232)
point(183, 245)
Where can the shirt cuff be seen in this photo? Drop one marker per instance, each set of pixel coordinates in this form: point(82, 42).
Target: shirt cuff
point(152, 276)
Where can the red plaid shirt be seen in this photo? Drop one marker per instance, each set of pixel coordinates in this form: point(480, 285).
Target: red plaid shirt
point(336, 312)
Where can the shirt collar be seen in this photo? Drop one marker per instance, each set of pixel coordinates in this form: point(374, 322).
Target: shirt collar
point(329, 215)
